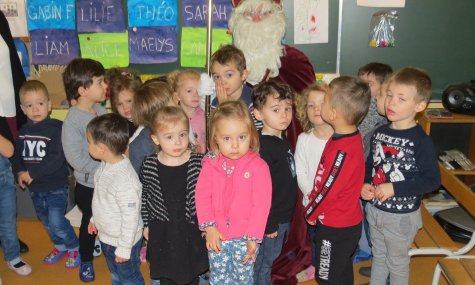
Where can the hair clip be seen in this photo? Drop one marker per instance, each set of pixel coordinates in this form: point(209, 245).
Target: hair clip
point(127, 74)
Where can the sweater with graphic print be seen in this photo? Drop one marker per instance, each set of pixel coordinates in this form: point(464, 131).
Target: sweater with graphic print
point(39, 151)
point(334, 200)
point(407, 159)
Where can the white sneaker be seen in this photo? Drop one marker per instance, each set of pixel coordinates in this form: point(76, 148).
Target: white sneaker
point(21, 268)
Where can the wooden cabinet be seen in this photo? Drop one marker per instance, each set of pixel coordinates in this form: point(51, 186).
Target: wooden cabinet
point(456, 181)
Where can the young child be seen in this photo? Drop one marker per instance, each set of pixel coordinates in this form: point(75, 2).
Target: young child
point(84, 82)
point(176, 250)
point(116, 202)
point(316, 133)
point(403, 166)
point(9, 235)
point(273, 107)
point(374, 74)
point(334, 205)
point(151, 96)
point(233, 195)
point(185, 85)
point(40, 166)
point(123, 85)
point(228, 70)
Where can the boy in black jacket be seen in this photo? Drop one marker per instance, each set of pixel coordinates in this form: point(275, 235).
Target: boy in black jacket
point(40, 165)
point(273, 107)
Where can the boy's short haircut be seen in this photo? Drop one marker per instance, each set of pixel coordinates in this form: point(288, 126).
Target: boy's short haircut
point(301, 104)
point(416, 77)
point(380, 70)
point(167, 116)
point(351, 97)
point(268, 88)
point(112, 130)
point(79, 73)
point(150, 97)
point(229, 54)
point(33, 86)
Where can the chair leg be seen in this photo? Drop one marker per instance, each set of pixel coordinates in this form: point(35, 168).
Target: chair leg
point(435, 279)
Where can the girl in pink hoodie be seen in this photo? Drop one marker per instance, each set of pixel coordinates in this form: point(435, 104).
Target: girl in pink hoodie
point(233, 195)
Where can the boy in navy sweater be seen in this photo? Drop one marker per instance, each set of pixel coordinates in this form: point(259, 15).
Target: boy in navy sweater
point(334, 201)
point(41, 167)
point(401, 167)
point(273, 107)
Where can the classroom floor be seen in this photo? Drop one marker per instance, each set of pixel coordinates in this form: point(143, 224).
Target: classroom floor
point(32, 232)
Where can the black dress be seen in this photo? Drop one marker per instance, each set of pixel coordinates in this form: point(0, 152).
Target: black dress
point(175, 249)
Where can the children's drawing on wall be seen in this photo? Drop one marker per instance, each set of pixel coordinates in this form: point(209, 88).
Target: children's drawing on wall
point(14, 11)
point(310, 21)
point(381, 3)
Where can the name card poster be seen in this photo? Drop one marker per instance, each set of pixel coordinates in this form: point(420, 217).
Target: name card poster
point(100, 16)
point(47, 14)
point(195, 13)
point(53, 46)
point(152, 13)
point(193, 45)
point(148, 45)
point(110, 49)
point(14, 11)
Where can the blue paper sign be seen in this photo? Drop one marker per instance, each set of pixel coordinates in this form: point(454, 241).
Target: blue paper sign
point(53, 46)
point(153, 45)
point(150, 13)
point(195, 13)
point(100, 16)
point(47, 14)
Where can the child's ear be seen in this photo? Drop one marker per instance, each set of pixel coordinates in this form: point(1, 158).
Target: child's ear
point(421, 106)
point(49, 106)
point(176, 98)
point(155, 139)
point(23, 109)
point(244, 75)
point(81, 91)
point(257, 114)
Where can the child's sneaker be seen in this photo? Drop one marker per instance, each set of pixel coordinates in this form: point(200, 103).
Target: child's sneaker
point(21, 268)
point(74, 259)
point(86, 273)
point(54, 256)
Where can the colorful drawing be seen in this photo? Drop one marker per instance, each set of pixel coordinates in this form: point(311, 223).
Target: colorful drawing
point(110, 49)
point(150, 13)
point(310, 21)
point(100, 16)
point(193, 45)
point(53, 46)
point(153, 45)
point(14, 11)
point(195, 13)
point(47, 14)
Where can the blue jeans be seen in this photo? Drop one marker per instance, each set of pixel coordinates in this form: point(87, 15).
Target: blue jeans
point(8, 227)
point(126, 273)
point(50, 207)
point(269, 250)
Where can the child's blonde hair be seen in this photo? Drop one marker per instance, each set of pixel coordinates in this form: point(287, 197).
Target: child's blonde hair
point(301, 103)
point(233, 110)
point(120, 80)
point(167, 116)
point(150, 97)
point(33, 86)
point(416, 77)
point(175, 78)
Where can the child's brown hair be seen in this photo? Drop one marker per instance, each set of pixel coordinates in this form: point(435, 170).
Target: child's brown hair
point(120, 80)
point(416, 77)
point(380, 70)
point(79, 73)
point(33, 86)
point(150, 97)
point(229, 54)
point(263, 90)
point(233, 110)
point(301, 104)
point(351, 97)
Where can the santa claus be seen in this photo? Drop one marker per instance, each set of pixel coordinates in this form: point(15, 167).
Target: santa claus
point(258, 27)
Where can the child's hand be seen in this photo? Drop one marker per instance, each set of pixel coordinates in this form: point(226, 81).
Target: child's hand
point(145, 233)
point(384, 191)
point(120, 259)
point(251, 250)
point(213, 239)
point(91, 229)
point(272, 235)
point(367, 192)
point(221, 92)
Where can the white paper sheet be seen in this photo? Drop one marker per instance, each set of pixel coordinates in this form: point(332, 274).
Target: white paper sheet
point(15, 12)
point(381, 3)
point(310, 21)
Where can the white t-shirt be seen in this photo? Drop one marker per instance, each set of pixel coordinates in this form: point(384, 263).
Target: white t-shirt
point(308, 152)
point(7, 92)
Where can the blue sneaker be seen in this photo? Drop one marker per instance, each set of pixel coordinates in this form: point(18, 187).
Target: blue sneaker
point(86, 273)
point(54, 256)
point(74, 259)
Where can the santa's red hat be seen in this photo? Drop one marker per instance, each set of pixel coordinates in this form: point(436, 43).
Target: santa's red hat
point(237, 2)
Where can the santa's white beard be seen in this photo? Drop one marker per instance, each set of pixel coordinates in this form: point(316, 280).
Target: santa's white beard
point(259, 41)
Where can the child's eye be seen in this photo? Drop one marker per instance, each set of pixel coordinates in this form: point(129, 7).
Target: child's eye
point(242, 137)
point(28, 106)
point(310, 106)
point(229, 75)
point(169, 137)
point(288, 109)
point(215, 77)
point(276, 110)
point(41, 103)
point(226, 139)
point(183, 135)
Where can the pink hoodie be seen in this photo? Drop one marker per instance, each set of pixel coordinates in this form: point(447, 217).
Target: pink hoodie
point(237, 203)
